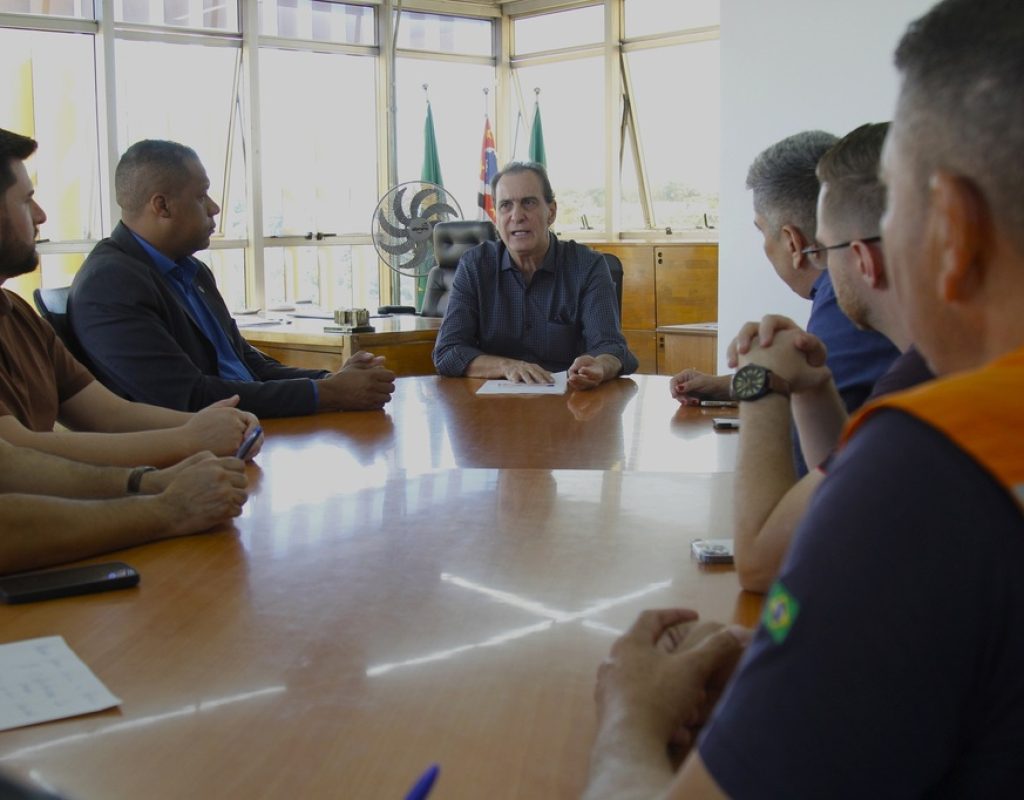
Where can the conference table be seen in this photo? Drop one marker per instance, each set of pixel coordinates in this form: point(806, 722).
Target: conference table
point(432, 583)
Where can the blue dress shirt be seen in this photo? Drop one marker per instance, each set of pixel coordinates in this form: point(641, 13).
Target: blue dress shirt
point(569, 309)
point(180, 276)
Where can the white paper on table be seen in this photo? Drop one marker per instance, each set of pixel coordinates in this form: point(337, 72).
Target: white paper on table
point(42, 680)
point(512, 387)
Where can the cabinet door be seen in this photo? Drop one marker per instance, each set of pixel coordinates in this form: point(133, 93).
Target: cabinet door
point(679, 351)
point(686, 279)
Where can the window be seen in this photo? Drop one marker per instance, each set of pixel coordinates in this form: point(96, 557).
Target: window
point(178, 73)
point(440, 33)
point(220, 15)
point(50, 95)
point(560, 30)
point(648, 17)
point(317, 21)
point(335, 276)
point(680, 138)
point(572, 115)
point(457, 97)
point(78, 9)
point(457, 73)
point(319, 166)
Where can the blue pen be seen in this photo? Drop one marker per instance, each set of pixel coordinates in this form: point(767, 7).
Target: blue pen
point(422, 787)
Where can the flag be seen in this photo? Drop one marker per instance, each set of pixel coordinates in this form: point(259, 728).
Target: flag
point(537, 138)
point(488, 169)
point(431, 173)
point(431, 163)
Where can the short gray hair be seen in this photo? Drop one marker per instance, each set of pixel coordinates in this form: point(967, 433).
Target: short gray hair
point(784, 181)
point(962, 100)
point(149, 167)
point(516, 167)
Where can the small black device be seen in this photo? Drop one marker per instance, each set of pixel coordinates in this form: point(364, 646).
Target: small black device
point(712, 551)
point(725, 423)
point(31, 586)
point(248, 442)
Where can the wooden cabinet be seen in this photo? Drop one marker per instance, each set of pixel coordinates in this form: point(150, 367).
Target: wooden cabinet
point(406, 341)
point(683, 346)
point(664, 284)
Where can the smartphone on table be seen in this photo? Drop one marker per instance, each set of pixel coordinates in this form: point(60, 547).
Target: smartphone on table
point(712, 551)
point(248, 442)
point(27, 587)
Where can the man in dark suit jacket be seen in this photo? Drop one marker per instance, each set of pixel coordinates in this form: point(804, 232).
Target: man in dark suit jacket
point(152, 323)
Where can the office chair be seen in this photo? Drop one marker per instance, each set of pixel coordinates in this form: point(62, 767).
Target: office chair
point(615, 268)
point(52, 305)
point(451, 240)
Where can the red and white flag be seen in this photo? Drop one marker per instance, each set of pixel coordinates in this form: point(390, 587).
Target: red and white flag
point(488, 169)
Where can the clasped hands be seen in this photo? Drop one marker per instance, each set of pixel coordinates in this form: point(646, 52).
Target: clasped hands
point(665, 675)
point(779, 344)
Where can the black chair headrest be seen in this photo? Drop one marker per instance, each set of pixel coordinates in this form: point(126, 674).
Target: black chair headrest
point(452, 239)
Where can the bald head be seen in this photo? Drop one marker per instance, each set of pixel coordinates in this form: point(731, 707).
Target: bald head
point(151, 167)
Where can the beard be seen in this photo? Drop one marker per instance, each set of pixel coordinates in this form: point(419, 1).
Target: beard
point(16, 258)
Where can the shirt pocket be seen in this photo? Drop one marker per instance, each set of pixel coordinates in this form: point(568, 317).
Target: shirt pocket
point(560, 340)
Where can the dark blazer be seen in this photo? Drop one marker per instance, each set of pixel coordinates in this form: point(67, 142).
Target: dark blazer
point(143, 343)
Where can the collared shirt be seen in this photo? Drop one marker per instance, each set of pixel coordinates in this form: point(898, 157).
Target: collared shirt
point(569, 309)
point(181, 276)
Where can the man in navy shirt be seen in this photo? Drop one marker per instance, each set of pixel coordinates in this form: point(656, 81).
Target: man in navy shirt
point(531, 305)
point(888, 661)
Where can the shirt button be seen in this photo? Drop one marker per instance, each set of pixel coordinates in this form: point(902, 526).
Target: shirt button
point(529, 325)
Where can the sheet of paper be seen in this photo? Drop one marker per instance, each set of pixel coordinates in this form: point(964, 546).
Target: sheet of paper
point(511, 387)
point(256, 322)
point(43, 680)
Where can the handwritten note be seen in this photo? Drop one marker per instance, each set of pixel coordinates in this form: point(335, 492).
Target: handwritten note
point(512, 387)
point(43, 680)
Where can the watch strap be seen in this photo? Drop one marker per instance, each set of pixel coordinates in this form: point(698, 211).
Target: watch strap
point(135, 479)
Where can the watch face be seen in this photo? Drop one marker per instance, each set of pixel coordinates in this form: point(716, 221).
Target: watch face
point(749, 382)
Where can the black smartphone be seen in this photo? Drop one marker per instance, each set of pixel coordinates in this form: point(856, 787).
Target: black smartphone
point(31, 586)
point(248, 442)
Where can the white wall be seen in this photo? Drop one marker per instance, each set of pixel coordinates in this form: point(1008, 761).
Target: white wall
point(787, 66)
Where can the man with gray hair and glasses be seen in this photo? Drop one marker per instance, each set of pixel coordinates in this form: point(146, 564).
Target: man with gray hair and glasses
point(888, 661)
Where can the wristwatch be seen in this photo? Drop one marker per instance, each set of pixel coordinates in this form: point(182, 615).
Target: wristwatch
point(753, 382)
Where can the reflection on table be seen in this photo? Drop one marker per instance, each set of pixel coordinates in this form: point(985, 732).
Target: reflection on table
point(376, 610)
point(436, 423)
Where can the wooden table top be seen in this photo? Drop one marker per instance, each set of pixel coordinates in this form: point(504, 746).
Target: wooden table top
point(373, 612)
point(435, 423)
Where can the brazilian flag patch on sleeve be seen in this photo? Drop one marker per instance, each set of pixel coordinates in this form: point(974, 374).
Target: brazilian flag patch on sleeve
point(780, 612)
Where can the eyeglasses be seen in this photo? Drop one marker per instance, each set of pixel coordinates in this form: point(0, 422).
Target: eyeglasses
point(813, 251)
